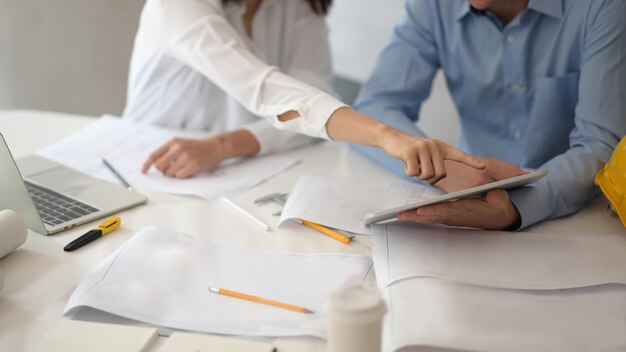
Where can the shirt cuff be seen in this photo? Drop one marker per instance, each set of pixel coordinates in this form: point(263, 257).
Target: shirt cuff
point(317, 111)
point(262, 132)
point(532, 203)
point(273, 140)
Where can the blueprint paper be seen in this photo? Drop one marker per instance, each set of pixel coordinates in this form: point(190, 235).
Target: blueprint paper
point(427, 314)
point(162, 277)
point(498, 259)
point(500, 291)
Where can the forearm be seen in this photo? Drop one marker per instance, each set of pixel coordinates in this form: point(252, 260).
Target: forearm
point(347, 125)
point(239, 143)
point(399, 121)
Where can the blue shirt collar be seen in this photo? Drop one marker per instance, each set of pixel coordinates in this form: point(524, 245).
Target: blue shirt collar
point(463, 9)
point(553, 8)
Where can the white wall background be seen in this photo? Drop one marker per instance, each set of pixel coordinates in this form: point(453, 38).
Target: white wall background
point(359, 30)
point(66, 55)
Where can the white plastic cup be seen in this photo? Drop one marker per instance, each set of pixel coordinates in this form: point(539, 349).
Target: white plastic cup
point(355, 316)
point(13, 232)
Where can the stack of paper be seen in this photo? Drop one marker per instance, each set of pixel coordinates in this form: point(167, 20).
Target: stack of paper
point(494, 291)
point(162, 277)
point(343, 204)
point(128, 144)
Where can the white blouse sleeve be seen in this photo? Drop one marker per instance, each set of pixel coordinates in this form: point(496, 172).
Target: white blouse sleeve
point(307, 59)
point(197, 33)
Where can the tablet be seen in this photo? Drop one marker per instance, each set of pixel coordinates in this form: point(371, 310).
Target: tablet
point(512, 182)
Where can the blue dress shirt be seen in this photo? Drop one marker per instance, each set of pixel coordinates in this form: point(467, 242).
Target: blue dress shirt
point(547, 90)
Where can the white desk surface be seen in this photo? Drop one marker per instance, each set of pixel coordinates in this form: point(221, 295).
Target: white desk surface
point(40, 276)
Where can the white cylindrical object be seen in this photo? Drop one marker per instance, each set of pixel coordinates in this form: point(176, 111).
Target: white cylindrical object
point(355, 316)
point(13, 232)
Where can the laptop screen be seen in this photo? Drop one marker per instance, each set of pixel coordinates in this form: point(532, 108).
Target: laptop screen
point(15, 196)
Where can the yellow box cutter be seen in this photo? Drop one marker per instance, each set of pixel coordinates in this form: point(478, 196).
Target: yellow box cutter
point(110, 225)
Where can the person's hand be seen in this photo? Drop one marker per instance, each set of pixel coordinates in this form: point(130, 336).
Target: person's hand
point(183, 158)
point(461, 176)
point(494, 211)
point(424, 158)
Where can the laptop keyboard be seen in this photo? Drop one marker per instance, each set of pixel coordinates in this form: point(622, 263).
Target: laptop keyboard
point(55, 208)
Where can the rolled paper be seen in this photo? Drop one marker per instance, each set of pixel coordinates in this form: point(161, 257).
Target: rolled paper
point(13, 232)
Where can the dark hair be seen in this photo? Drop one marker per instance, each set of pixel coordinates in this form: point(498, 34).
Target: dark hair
point(320, 7)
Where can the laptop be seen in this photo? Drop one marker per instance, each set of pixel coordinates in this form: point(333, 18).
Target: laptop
point(51, 197)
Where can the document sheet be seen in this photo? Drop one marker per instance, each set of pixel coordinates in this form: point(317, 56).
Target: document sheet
point(162, 277)
point(128, 144)
point(496, 291)
point(343, 203)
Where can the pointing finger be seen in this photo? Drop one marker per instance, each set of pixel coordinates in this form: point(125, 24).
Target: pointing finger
point(154, 157)
point(463, 157)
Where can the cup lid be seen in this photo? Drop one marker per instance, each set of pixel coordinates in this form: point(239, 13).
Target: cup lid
point(358, 301)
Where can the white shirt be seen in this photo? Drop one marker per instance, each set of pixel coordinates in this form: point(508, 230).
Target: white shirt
point(193, 66)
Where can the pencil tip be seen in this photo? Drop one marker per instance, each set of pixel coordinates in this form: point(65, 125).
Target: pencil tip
point(307, 311)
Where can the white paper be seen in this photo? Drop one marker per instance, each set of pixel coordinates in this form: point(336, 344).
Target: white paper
point(431, 314)
point(162, 277)
point(128, 144)
point(343, 203)
point(498, 259)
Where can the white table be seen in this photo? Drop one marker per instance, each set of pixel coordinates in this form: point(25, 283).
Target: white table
point(40, 276)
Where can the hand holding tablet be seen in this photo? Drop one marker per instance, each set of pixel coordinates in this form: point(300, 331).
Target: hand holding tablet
point(509, 183)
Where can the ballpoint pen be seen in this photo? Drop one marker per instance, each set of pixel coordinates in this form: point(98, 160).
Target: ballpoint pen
point(247, 297)
point(117, 174)
point(110, 225)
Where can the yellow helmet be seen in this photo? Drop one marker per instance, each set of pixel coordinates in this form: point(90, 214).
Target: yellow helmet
point(612, 180)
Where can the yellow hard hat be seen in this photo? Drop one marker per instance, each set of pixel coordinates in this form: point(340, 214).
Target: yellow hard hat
point(612, 180)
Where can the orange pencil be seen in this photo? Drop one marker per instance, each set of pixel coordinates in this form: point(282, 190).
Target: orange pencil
point(326, 231)
point(225, 292)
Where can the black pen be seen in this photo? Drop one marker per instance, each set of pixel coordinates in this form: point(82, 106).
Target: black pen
point(110, 225)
